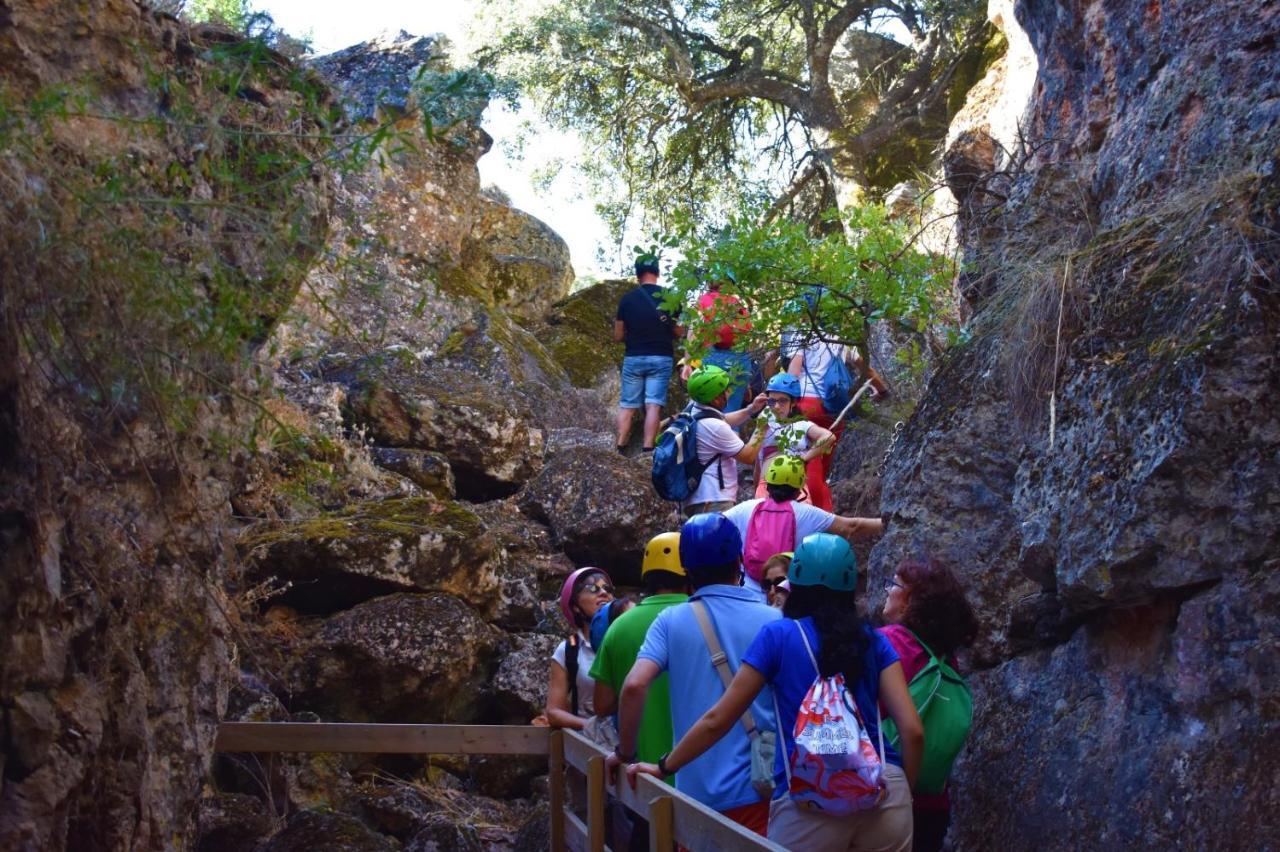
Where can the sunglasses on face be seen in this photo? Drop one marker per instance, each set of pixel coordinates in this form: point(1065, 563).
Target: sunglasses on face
point(893, 584)
point(595, 588)
point(774, 583)
point(779, 403)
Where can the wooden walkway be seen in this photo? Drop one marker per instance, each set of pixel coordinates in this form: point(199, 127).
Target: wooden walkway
point(673, 817)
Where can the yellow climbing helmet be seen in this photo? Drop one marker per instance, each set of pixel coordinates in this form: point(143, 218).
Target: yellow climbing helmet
point(785, 470)
point(662, 553)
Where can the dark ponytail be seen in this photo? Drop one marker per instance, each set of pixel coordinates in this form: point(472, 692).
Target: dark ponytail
point(843, 634)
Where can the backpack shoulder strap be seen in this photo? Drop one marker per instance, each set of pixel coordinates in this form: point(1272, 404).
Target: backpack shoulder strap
point(571, 669)
point(719, 660)
point(927, 649)
point(705, 414)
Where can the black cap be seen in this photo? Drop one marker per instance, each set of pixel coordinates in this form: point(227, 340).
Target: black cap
point(647, 263)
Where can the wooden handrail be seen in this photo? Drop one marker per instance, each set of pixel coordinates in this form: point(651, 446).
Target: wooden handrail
point(673, 817)
point(352, 738)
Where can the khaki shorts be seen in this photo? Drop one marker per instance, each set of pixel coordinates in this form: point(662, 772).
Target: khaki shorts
point(885, 829)
point(711, 506)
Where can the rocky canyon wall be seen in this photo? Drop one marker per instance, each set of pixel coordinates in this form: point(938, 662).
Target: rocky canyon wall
point(1100, 461)
point(151, 233)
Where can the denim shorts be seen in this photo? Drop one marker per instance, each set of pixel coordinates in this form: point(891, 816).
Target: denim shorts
point(645, 379)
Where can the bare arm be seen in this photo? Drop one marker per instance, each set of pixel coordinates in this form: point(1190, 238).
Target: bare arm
point(742, 415)
point(856, 528)
point(605, 699)
point(708, 730)
point(619, 331)
point(819, 440)
point(558, 713)
point(751, 449)
point(896, 700)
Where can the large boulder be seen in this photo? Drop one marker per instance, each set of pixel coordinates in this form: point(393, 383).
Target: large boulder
point(415, 544)
point(492, 443)
point(578, 330)
point(232, 822)
point(519, 687)
point(601, 508)
point(399, 658)
point(531, 569)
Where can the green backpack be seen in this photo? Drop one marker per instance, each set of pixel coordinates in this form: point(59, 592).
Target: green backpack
point(945, 705)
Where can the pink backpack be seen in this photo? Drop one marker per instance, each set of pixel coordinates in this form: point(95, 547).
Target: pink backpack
point(771, 530)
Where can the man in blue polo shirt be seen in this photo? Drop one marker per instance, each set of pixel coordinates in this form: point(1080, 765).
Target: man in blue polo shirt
point(711, 553)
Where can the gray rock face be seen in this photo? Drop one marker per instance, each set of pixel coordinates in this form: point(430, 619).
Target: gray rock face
point(1119, 550)
point(398, 658)
point(601, 508)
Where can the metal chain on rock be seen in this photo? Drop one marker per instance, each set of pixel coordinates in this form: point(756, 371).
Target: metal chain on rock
point(897, 433)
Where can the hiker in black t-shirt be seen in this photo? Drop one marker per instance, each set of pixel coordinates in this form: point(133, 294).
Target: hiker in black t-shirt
point(649, 334)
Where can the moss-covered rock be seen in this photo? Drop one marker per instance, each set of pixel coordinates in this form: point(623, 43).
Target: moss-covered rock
point(429, 471)
point(413, 544)
point(579, 331)
point(510, 259)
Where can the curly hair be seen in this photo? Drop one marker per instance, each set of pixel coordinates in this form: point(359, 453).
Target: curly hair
point(937, 609)
point(844, 636)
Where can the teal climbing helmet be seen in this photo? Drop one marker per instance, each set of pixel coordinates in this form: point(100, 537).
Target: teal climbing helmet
point(823, 559)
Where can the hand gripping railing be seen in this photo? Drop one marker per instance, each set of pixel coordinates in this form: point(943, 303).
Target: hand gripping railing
point(673, 817)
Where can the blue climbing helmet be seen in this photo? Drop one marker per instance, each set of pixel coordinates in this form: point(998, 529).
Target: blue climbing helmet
point(709, 540)
point(823, 559)
point(784, 383)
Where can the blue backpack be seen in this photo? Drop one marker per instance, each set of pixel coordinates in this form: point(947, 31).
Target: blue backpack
point(676, 469)
point(837, 384)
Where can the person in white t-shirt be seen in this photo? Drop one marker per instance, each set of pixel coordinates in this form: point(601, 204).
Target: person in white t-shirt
point(719, 446)
point(570, 690)
point(787, 432)
point(783, 480)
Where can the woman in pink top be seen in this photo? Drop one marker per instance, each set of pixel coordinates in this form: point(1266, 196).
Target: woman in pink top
point(925, 598)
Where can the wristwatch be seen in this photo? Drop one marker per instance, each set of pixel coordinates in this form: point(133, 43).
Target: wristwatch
point(623, 757)
point(662, 764)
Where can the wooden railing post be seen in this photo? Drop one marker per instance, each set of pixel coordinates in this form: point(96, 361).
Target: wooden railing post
point(661, 831)
point(556, 781)
point(595, 804)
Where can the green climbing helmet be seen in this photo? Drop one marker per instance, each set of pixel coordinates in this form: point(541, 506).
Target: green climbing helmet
point(707, 383)
point(823, 559)
point(785, 470)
